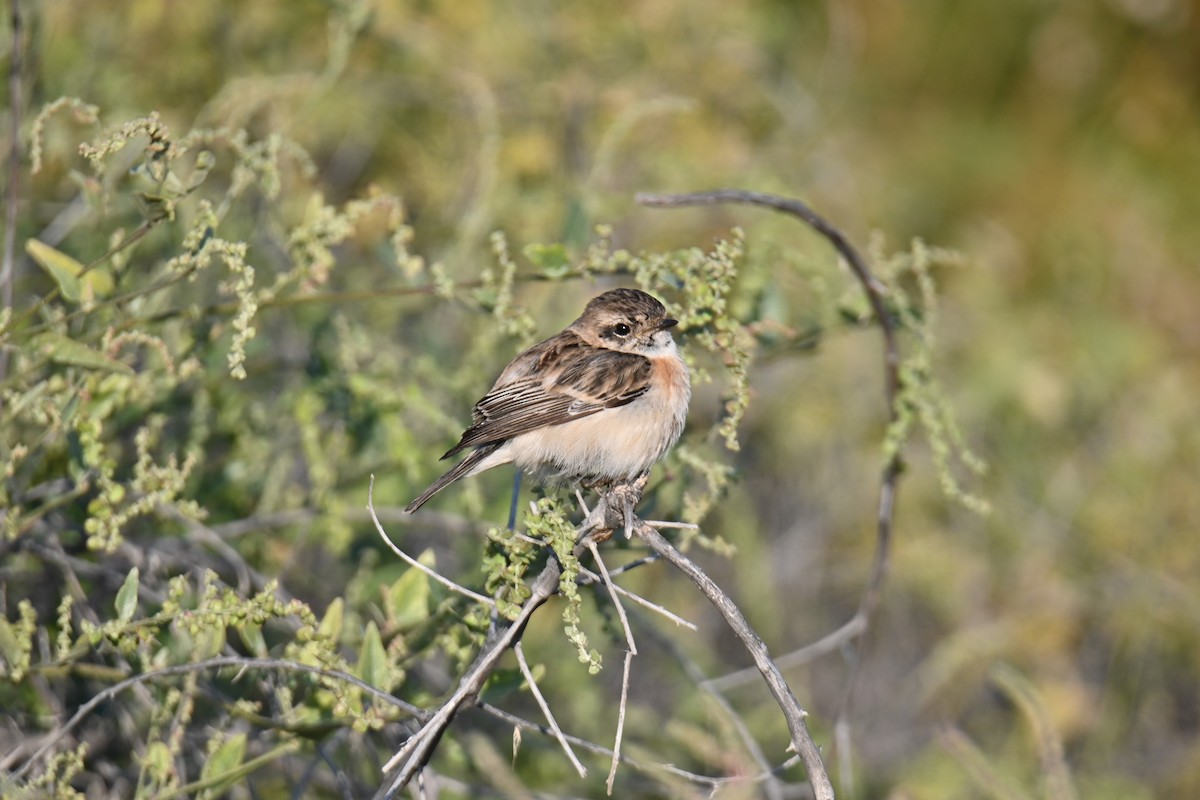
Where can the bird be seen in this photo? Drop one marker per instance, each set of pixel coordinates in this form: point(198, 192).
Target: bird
point(596, 404)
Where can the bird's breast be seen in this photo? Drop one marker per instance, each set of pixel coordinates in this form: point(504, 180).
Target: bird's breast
point(617, 443)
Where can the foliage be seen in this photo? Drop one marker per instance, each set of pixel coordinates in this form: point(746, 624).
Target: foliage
point(264, 252)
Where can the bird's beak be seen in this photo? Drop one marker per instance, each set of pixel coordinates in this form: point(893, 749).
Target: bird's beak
point(667, 323)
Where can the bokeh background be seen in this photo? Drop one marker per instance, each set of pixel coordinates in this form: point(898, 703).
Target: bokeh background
point(1053, 147)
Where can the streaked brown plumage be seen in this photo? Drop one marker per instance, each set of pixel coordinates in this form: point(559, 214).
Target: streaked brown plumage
point(599, 402)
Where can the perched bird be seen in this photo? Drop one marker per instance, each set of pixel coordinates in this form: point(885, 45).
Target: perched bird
point(598, 403)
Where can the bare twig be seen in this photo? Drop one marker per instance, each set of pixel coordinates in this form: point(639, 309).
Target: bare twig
point(629, 654)
point(637, 562)
point(829, 643)
point(437, 576)
point(637, 598)
point(523, 663)
point(692, 777)
point(612, 592)
point(662, 523)
point(616, 756)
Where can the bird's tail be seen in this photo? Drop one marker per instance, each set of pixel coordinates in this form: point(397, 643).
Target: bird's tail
point(459, 470)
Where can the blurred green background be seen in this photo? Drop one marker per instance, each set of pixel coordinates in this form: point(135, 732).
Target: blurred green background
point(1054, 146)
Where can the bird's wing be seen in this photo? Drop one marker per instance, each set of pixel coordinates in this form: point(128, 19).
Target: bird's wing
point(569, 382)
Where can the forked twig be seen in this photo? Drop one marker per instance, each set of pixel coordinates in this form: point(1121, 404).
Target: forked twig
point(419, 747)
point(409, 760)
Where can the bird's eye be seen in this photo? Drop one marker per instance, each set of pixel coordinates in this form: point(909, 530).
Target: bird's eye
point(621, 329)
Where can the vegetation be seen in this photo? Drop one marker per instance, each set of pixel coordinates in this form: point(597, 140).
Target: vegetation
point(259, 253)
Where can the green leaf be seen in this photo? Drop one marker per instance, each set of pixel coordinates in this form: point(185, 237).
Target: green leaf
point(127, 597)
point(10, 649)
point(552, 259)
point(331, 623)
point(406, 601)
point(224, 760)
point(372, 660)
point(252, 637)
point(205, 161)
point(157, 761)
point(65, 350)
point(61, 267)
point(66, 271)
point(209, 642)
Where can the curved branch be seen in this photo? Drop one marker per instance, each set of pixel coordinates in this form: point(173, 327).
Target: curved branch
point(876, 295)
point(875, 289)
point(857, 627)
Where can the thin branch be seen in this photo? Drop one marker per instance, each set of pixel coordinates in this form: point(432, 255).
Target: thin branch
point(802, 741)
point(875, 289)
point(637, 562)
point(616, 756)
point(658, 524)
point(629, 654)
point(637, 598)
point(523, 663)
point(696, 674)
point(612, 592)
point(108, 693)
point(671, 769)
point(449, 584)
point(829, 643)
